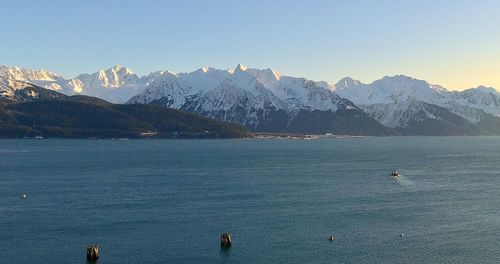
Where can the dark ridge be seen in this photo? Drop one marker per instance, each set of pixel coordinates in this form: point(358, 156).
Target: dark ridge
point(347, 121)
point(490, 124)
point(446, 123)
point(57, 115)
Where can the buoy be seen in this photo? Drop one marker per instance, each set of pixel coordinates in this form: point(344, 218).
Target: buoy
point(225, 240)
point(92, 252)
point(401, 235)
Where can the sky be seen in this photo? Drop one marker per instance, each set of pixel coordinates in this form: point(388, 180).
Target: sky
point(454, 43)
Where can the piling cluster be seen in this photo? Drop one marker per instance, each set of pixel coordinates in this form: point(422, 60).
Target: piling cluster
point(225, 242)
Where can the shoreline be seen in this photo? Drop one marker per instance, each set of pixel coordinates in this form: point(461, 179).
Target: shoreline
point(266, 135)
point(250, 136)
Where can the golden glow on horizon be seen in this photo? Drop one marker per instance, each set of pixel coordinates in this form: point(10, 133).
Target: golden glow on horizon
point(451, 73)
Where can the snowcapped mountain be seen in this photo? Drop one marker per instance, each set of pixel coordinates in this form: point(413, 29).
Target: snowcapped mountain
point(116, 84)
point(387, 98)
point(9, 86)
point(389, 90)
point(483, 98)
point(262, 87)
point(15, 78)
point(259, 99)
point(16, 73)
point(414, 117)
point(20, 91)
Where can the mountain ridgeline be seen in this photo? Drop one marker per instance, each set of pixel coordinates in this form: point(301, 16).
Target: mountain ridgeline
point(266, 101)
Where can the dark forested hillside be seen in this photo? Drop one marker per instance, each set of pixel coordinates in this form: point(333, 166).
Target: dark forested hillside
point(83, 116)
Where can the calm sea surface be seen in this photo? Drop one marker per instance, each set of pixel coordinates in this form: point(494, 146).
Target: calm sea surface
point(168, 201)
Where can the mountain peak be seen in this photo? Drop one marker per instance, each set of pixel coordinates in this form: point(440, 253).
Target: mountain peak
point(204, 69)
point(240, 67)
point(402, 80)
point(276, 74)
point(347, 81)
point(486, 89)
point(399, 77)
point(402, 76)
point(120, 69)
point(408, 82)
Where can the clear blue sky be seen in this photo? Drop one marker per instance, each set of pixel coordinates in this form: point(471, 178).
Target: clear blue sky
point(455, 43)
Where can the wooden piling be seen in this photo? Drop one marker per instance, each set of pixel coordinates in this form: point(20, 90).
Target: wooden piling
point(225, 240)
point(92, 252)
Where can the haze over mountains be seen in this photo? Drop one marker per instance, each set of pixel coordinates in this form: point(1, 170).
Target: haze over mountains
point(265, 100)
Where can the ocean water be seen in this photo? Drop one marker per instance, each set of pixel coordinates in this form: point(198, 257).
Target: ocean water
point(168, 201)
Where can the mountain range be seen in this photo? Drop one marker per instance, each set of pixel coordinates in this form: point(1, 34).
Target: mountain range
point(265, 100)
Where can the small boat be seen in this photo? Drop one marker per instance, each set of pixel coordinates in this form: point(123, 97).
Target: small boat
point(331, 237)
point(395, 173)
point(24, 195)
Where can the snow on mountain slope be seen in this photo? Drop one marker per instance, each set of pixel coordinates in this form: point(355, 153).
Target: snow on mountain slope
point(484, 98)
point(395, 91)
point(390, 90)
point(414, 117)
point(116, 84)
point(289, 93)
point(15, 78)
point(21, 91)
point(227, 101)
point(165, 86)
point(241, 95)
point(400, 114)
point(16, 73)
point(8, 87)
